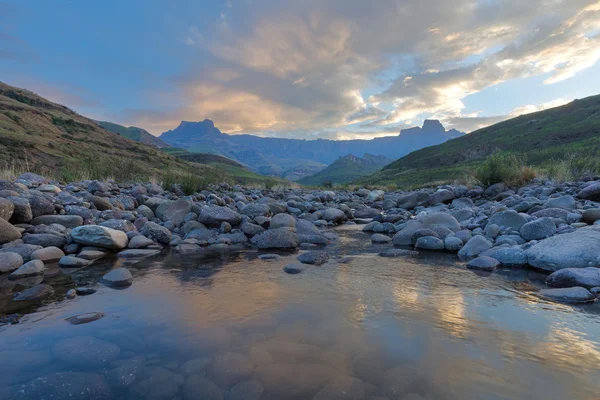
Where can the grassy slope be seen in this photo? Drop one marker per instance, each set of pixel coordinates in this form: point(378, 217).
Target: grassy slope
point(47, 137)
point(556, 133)
point(341, 171)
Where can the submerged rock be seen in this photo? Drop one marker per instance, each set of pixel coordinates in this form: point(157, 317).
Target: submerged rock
point(483, 263)
point(575, 294)
point(120, 277)
point(313, 257)
point(568, 277)
point(293, 269)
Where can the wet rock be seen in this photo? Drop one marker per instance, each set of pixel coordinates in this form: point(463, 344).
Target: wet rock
point(380, 238)
point(31, 268)
point(84, 291)
point(48, 255)
point(34, 293)
point(568, 250)
point(198, 387)
point(575, 295)
point(366, 212)
point(85, 351)
point(91, 254)
point(246, 390)
point(125, 374)
point(68, 221)
point(120, 277)
point(196, 366)
point(138, 253)
point(73, 262)
point(282, 221)
point(430, 243)
point(45, 240)
point(231, 368)
point(483, 263)
point(100, 236)
point(342, 388)
point(215, 215)
point(569, 277)
point(139, 242)
point(8, 233)
point(269, 256)
point(293, 381)
point(24, 250)
point(539, 229)
point(282, 238)
point(475, 246)
point(10, 262)
point(71, 294)
point(508, 256)
point(159, 233)
point(392, 253)
point(334, 215)
point(452, 243)
point(62, 385)
point(84, 318)
point(313, 257)
point(591, 215)
point(429, 221)
point(293, 269)
point(156, 383)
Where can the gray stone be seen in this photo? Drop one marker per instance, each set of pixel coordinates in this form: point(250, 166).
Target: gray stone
point(34, 293)
point(591, 215)
point(380, 238)
point(68, 221)
point(452, 243)
point(40, 205)
point(475, 246)
point(73, 262)
point(10, 262)
point(313, 257)
point(100, 236)
point(100, 203)
point(393, 253)
point(119, 225)
point(441, 196)
point(197, 387)
point(429, 243)
point(538, 229)
point(63, 385)
point(591, 192)
point(558, 213)
point(483, 263)
point(45, 240)
point(494, 190)
point(254, 210)
point(569, 250)
point(333, 215)
point(575, 295)
point(139, 242)
point(366, 212)
point(6, 209)
point(231, 368)
point(293, 269)
point(282, 238)
point(8, 233)
point(491, 230)
point(251, 229)
point(509, 256)
point(174, 211)
point(159, 233)
point(412, 200)
point(567, 202)
point(246, 390)
point(24, 250)
point(120, 277)
point(215, 215)
point(48, 255)
point(429, 221)
point(22, 213)
point(568, 277)
point(138, 253)
point(145, 211)
point(509, 219)
point(282, 221)
point(31, 268)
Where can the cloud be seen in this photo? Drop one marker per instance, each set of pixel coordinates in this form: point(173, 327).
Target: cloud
point(530, 108)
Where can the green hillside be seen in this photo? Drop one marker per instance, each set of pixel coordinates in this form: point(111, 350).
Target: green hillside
point(346, 169)
point(541, 139)
point(133, 133)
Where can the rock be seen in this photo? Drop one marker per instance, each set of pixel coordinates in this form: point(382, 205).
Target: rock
point(282, 221)
point(231, 368)
point(71, 294)
point(429, 243)
point(428, 221)
point(246, 390)
point(36, 292)
point(22, 213)
point(595, 291)
point(63, 385)
point(119, 225)
point(196, 366)
point(366, 212)
point(8, 233)
point(342, 388)
point(509, 256)
point(254, 210)
point(452, 243)
point(376, 195)
point(174, 211)
point(269, 256)
point(281, 238)
point(125, 374)
point(494, 190)
point(138, 253)
point(120, 277)
point(99, 202)
point(313, 257)
point(68, 221)
point(84, 291)
point(293, 381)
point(334, 215)
point(215, 215)
point(100, 236)
point(293, 269)
point(591, 215)
point(139, 242)
point(85, 351)
point(475, 246)
point(84, 318)
point(393, 253)
point(197, 387)
point(412, 200)
point(48, 255)
point(158, 383)
point(575, 294)
point(492, 230)
point(6, 209)
point(159, 233)
point(558, 213)
point(250, 229)
point(568, 250)
point(10, 262)
point(31, 268)
point(73, 262)
point(483, 263)
point(380, 238)
point(45, 240)
point(541, 228)
point(509, 219)
point(441, 196)
point(591, 192)
point(569, 277)
point(33, 179)
point(567, 202)
point(40, 205)
point(24, 250)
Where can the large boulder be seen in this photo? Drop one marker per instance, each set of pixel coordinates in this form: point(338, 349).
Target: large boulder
point(8, 233)
point(174, 211)
point(281, 238)
point(157, 232)
point(254, 210)
point(428, 221)
point(509, 219)
point(45, 240)
point(591, 192)
point(100, 236)
point(68, 221)
point(539, 229)
point(22, 213)
point(40, 205)
point(411, 200)
point(591, 215)
point(333, 215)
point(569, 277)
point(574, 295)
point(569, 250)
point(475, 246)
point(282, 221)
point(366, 212)
point(215, 215)
point(10, 262)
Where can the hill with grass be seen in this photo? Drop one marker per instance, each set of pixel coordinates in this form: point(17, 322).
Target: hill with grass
point(346, 169)
point(542, 140)
point(133, 133)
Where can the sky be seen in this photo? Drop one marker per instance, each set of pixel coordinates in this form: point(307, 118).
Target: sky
point(338, 69)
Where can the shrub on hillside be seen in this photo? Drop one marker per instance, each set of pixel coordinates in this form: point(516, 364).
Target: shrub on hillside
point(503, 167)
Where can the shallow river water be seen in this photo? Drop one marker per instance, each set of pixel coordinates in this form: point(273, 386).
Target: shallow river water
point(228, 325)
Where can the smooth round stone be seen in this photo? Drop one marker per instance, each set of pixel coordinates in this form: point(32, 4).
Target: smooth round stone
point(313, 257)
point(83, 291)
point(91, 254)
point(34, 293)
point(139, 242)
point(31, 268)
point(483, 263)
point(293, 269)
point(231, 368)
point(452, 243)
point(73, 262)
point(64, 385)
point(575, 294)
point(380, 238)
point(85, 351)
point(269, 256)
point(196, 366)
point(120, 277)
point(430, 243)
point(569, 277)
point(198, 387)
point(84, 318)
point(71, 294)
point(95, 235)
point(246, 390)
point(10, 262)
point(48, 254)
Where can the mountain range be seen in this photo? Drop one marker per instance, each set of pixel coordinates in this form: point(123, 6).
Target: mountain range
point(133, 133)
point(295, 158)
point(346, 169)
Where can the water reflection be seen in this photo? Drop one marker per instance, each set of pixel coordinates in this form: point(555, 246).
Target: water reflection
point(219, 325)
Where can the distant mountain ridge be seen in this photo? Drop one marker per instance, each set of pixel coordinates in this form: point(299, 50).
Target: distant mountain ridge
point(284, 157)
point(133, 133)
point(346, 169)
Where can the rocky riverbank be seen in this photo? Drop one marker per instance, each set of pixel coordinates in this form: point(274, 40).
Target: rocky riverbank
point(47, 228)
